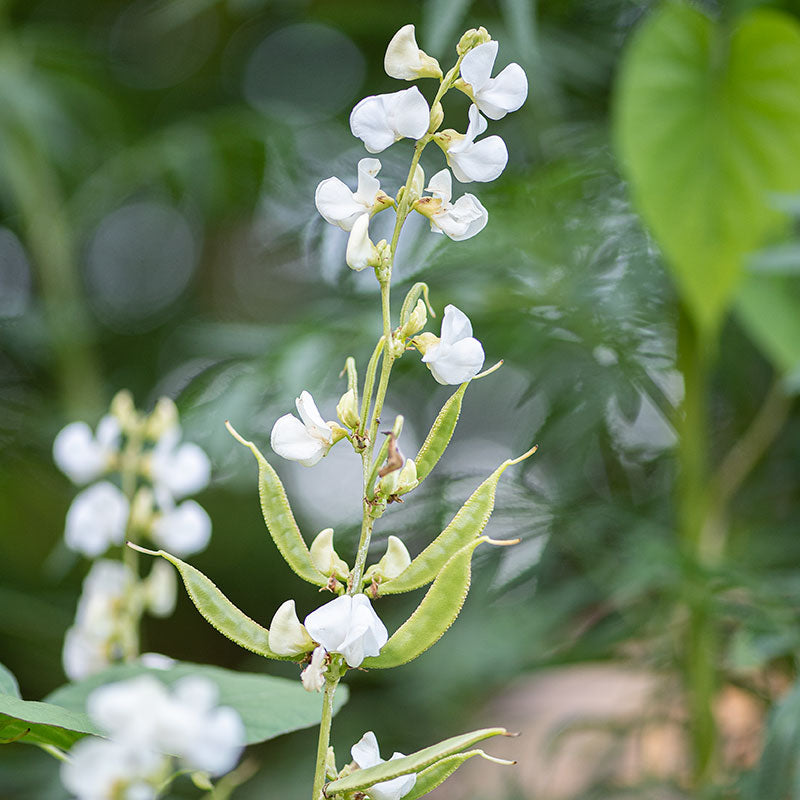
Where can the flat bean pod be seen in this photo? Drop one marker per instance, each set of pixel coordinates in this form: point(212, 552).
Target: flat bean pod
point(438, 773)
point(434, 615)
point(469, 522)
point(279, 518)
point(416, 762)
point(223, 615)
point(440, 434)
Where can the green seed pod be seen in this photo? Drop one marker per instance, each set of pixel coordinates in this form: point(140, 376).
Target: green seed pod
point(280, 521)
point(223, 615)
point(435, 614)
point(438, 773)
point(362, 779)
point(440, 434)
point(468, 523)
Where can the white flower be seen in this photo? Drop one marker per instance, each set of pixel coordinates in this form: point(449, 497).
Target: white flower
point(361, 252)
point(460, 220)
point(470, 160)
point(99, 769)
point(457, 356)
point(348, 625)
point(183, 529)
point(366, 753)
point(339, 206)
point(82, 456)
point(178, 470)
point(405, 61)
point(104, 629)
point(287, 637)
point(495, 97)
point(305, 442)
point(380, 120)
point(160, 589)
point(313, 676)
point(96, 519)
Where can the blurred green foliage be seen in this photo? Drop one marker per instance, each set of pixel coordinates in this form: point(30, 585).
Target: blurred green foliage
point(158, 160)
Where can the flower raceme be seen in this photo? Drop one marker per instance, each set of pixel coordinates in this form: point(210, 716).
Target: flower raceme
point(456, 356)
point(305, 440)
point(494, 97)
point(366, 753)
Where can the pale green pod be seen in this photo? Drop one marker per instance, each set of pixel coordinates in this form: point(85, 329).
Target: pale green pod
point(438, 773)
point(279, 519)
point(440, 434)
point(469, 522)
point(362, 779)
point(223, 615)
point(435, 614)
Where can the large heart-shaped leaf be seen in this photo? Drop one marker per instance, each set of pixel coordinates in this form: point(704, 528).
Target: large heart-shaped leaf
point(269, 706)
point(707, 121)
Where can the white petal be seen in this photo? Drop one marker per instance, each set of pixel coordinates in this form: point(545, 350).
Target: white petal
point(96, 519)
point(463, 219)
point(441, 185)
point(337, 204)
point(313, 676)
point(183, 530)
point(418, 181)
point(109, 432)
point(369, 121)
point(329, 624)
point(181, 470)
point(290, 439)
point(477, 126)
point(368, 184)
point(483, 161)
point(507, 92)
point(161, 589)
point(462, 363)
point(394, 789)
point(365, 752)
point(455, 325)
point(409, 114)
point(476, 68)
point(287, 637)
point(77, 454)
point(402, 55)
point(309, 414)
point(360, 249)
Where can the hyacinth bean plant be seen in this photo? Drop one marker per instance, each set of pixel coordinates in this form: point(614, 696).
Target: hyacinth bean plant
point(346, 632)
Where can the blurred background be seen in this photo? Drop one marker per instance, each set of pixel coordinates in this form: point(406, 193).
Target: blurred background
point(158, 161)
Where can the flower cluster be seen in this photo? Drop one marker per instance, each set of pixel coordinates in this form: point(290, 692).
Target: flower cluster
point(152, 731)
point(140, 472)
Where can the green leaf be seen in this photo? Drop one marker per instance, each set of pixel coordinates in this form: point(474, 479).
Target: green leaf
point(466, 525)
point(279, 519)
point(440, 434)
point(218, 611)
point(438, 773)
point(416, 762)
point(707, 121)
point(32, 722)
point(8, 683)
point(268, 706)
point(768, 306)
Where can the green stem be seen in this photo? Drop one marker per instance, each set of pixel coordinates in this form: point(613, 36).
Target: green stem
point(324, 738)
point(369, 382)
point(693, 497)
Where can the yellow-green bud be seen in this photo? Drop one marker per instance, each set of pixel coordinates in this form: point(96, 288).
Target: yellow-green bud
point(437, 117)
point(161, 589)
point(389, 482)
point(325, 558)
point(471, 39)
point(123, 409)
point(416, 321)
point(142, 510)
point(163, 418)
point(347, 410)
point(417, 185)
point(408, 477)
point(424, 341)
point(287, 637)
point(394, 561)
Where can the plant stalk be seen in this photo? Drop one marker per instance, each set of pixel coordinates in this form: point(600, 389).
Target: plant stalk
point(324, 737)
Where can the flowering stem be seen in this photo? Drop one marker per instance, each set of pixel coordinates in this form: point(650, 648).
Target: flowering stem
point(324, 737)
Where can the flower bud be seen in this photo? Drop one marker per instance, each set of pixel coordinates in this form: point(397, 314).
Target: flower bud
point(395, 559)
point(347, 410)
point(404, 59)
point(163, 418)
point(123, 409)
point(417, 185)
point(161, 590)
point(142, 510)
point(407, 479)
point(471, 39)
point(425, 341)
point(361, 252)
point(325, 558)
point(416, 321)
point(437, 117)
point(388, 484)
point(287, 637)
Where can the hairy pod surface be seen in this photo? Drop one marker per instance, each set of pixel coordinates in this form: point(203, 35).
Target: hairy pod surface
point(279, 518)
point(434, 615)
point(220, 612)
point(440, 434)
point(416, 762)
point(469, 522)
